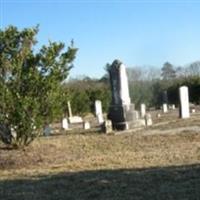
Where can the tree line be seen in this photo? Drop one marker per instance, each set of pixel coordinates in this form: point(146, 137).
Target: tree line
point(146, 85)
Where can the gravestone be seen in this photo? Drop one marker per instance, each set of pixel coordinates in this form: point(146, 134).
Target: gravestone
point(121, 112)
point(73, 119)
point(86, 125)
point(65, 124)
point(142, 110)
point(98, 111)
point(173, 107)
point(184, 102)
point(69, 109)
point(165, 108)
point(148, 119)
point(193, 110)
point(158, 115)
point(47, 130)
point(106, 126)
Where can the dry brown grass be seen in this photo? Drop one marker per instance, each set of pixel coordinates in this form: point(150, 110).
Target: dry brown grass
point(98, 166)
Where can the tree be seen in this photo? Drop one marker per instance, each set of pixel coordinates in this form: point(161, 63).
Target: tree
point(30, 83)
point(194, 69)
point(168, 71)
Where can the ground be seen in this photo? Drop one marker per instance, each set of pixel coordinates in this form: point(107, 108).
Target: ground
point(158, 162)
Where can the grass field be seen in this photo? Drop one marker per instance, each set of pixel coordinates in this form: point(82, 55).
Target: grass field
point(161, 162)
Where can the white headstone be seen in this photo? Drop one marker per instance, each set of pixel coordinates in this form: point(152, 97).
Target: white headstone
point(158, 115)
point(173, 107)
point(165, 109)
point(193, 110)
point(98, 111)
point(184, 102)
point(86, 125)
point(98, 107)
point(65, 125)
point(100, 118)
point(142, 110)
point(148, 120)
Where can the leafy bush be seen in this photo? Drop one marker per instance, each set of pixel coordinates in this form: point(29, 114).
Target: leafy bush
point(30, 83)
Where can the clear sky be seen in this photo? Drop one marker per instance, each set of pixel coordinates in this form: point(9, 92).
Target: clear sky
point(137, 32)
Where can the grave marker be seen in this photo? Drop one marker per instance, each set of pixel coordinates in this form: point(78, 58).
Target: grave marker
point(184, 102)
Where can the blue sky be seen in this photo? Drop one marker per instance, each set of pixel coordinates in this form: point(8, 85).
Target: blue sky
point(137, 32)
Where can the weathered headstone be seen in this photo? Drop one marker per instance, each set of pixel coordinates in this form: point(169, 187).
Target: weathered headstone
point(98, 107)
point(121, 112)
point(98, 111)
point(142, 110)
point(165, 108)
point(184, 102)
point(173, 107)
point(47, 130)
point(158, 115)
point(86, 125)
point(107, 126)
point(69, 109)
point(148, 119)
point(193, 110)
point(65, 124)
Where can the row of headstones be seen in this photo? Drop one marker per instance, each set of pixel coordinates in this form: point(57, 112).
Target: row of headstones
point(184, 111)
point(107, 124)
point(77, 119)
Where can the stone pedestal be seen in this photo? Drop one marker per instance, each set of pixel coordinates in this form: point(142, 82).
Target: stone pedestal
point(122, 115)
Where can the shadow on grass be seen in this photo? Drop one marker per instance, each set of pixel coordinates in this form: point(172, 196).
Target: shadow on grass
point(178, 183)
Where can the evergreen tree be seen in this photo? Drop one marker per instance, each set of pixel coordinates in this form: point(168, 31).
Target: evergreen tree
point(168, 71)
point(30, 83)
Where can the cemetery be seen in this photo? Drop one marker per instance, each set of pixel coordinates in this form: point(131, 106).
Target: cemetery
point(100, 156)
point(111, 115)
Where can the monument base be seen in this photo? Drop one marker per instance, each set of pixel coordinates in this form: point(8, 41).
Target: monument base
point(124, 117)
